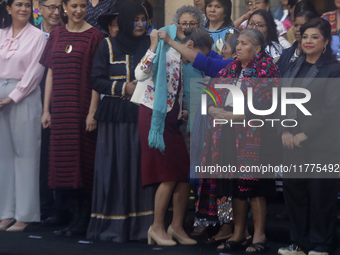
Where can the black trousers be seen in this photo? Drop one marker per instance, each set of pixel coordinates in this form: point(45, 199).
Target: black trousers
point(46, 194)
point(51, 201)
point(311, 205)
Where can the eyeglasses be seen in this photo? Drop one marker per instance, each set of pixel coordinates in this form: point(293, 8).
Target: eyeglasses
point(256, 4)
point(253, 25)
point(52, 7)
point(185, 24)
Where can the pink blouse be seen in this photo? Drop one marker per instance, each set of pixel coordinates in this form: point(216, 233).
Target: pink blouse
point(19, 59)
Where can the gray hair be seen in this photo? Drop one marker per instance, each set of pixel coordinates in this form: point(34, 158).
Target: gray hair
point(255, 37)
point(192, 10)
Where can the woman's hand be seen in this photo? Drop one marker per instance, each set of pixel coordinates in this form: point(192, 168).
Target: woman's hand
point(154, 40)
point(288, 140)
point(130, 88)
point(185, 115)
point(164, 36)
point(46, 120)
point(180, 33)
point(299, 138)
point(247, 15)
point(219, 113)
point(91, 123)
point(5, 101)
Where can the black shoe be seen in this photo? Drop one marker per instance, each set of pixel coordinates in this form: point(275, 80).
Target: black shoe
point(55, 220)
point(81, 227)
point(78, 230)
point(73, 224)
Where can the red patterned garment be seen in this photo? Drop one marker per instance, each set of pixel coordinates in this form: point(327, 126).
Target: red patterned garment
point(72, 149)
point(248, 139)
point(331, 17)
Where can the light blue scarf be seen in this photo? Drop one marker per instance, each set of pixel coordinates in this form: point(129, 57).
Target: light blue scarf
point(159, 111)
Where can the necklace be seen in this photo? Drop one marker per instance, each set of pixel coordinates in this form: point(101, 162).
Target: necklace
point(69, 47)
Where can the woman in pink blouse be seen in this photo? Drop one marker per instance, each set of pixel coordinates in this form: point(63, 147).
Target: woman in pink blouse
point(21, 46)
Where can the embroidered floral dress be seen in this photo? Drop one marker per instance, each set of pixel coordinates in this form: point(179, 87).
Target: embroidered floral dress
point(37, 16)
point(174, 163)
point(247, 142)
point(173, 69)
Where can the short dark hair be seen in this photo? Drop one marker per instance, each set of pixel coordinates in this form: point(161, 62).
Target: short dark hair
point(265, 1)
point(307, 15)
point(227, 5)
point(292, 3)
point(271, 26)
point(199, 36)
point(325, 29)
point(232, 40)
point(305, 6)
point(6, 19)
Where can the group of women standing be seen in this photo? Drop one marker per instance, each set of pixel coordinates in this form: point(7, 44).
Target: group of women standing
point(137, 162)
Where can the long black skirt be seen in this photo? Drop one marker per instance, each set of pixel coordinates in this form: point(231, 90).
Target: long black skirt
point(122, 209)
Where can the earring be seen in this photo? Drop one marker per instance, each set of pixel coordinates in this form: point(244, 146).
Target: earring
point(324, 50)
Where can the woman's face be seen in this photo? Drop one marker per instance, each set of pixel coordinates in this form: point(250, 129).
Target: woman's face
point(140, 23)
point(337, 3)
point(76, 10)
point(215, 11)
point(258, 22)
point(187, 20)
point(20, 10)
point(200, 4)
point(253, 5)
point(245, 50)
point(50, 16)
point(227, 51)
point(296, 29)
point(313, 42)
point(113, 27)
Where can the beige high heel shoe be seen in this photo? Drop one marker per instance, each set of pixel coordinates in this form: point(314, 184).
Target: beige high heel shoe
point(180, 239)
point(153, 238)
point(6, 226)
point(17, 229)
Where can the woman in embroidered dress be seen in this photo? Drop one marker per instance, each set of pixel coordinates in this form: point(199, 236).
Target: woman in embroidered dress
point(21, 46)
point(236, 141)
point(219, 23)
point(165, 160)
point(69, 107)
point(263, 21)
point(122, 209)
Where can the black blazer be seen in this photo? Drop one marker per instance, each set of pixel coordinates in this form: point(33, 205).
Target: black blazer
point(285, 58)
point(323, 127)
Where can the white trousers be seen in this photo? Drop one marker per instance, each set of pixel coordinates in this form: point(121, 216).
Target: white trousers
point(20, 137)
